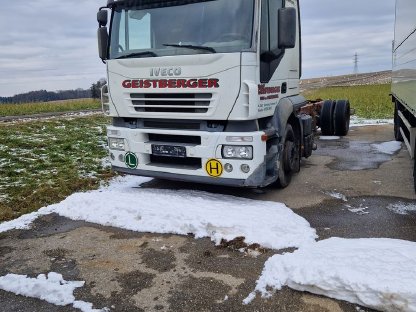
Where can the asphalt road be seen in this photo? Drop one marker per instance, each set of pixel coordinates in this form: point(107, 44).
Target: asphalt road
point(127, 271)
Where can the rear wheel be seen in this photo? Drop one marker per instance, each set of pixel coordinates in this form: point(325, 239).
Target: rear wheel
point(342, 116)
point(289, 160)
point(397, 134)
point(327, 117)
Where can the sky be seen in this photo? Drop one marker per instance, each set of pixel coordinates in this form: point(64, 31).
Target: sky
point(334, 30)
point(49, 45)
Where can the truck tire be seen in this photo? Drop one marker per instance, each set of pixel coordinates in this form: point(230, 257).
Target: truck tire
point(327, 117)
point(287, 163)
point(342, 116)
point(397, 134)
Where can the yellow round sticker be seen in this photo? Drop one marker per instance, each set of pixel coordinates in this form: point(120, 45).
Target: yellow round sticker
point(214, 168)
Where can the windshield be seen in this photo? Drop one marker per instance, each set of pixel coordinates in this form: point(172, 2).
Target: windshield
point(181, 27)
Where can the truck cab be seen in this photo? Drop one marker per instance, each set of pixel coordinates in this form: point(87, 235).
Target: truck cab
point(205, 91)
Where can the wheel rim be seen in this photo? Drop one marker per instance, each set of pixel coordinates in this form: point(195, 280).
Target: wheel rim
point(289, 156)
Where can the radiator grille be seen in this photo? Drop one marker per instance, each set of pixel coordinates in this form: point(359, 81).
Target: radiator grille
point(171, 102)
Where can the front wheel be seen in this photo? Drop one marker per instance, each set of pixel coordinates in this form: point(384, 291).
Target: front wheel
point(289, 160)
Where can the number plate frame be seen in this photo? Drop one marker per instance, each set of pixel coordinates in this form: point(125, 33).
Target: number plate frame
point(169, 150)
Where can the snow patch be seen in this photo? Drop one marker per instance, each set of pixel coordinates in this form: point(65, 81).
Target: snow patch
point(389, 148)
point(359, 122)
point(51, 288)
point(124, 205)
point(360, 211)
point(402, 208)
point(24, 221)
point(337, 195)
point(329, 138)
point(249, 298)
point(376, 273)
point(105, 162)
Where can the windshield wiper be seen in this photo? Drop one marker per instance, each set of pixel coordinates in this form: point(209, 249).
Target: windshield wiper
point(193, 47)
point(149, 53)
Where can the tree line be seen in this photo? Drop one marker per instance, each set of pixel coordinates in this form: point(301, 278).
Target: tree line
point(47, 96)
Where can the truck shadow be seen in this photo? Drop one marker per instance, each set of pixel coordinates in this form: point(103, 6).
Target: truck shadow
point(252, 193)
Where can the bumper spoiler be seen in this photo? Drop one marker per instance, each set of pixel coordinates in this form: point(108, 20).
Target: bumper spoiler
point(183, 178)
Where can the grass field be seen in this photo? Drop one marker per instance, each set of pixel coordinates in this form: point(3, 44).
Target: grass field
point(43, 162)
point(372, 101)
point(48, 107)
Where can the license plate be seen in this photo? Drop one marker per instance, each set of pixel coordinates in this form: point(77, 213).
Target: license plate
point(169, 150)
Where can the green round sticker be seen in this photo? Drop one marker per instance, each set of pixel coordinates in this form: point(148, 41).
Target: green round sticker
point(131, 160)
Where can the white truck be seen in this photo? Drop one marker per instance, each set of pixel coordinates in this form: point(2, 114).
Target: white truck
point(404, 76)
point(207, 91)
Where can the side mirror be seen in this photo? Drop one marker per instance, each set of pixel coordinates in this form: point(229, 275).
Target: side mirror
point(102, 18)
point(102, 35)
point(287, 28)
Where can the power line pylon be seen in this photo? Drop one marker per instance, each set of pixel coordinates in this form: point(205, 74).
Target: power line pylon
point(356, 63)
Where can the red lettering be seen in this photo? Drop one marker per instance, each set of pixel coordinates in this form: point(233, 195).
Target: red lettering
point(213, 83)
point(192, 83)
point(172, 84)
point(135, 84)
point(146, 84)
point(268, 90)
point(181, 83)
point(202, 83)
point(163, 83)
point(126, 84)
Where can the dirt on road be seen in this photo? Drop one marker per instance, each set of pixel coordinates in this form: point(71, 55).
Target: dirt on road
point(344, 190)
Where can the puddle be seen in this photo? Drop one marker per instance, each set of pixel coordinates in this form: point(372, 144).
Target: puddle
point(352, 155)
point(363, 217)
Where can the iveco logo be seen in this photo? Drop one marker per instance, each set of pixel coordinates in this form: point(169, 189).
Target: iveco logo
point(164, 72)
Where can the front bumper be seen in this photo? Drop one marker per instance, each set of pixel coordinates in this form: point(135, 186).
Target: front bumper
point(210, 147)
point(184, 178)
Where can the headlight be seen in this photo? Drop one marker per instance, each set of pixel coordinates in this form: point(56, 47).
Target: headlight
point(116, 144)
point(237, 152)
